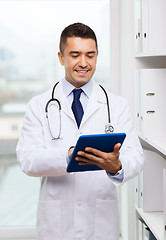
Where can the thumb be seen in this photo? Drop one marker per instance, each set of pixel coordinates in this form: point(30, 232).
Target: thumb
point(116, 147)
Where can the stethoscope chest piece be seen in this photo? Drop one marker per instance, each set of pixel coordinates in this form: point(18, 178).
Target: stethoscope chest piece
point(109, 128)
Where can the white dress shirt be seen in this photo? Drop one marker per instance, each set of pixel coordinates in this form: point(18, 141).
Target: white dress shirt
point(85, 95)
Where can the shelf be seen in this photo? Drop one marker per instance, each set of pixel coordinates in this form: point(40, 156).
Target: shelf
point(140, 55)
point(150, 61)
point(17, 233)
point(153, 146)
point(154, 220)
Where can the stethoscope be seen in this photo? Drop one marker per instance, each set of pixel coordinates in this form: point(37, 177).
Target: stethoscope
point(108, 128)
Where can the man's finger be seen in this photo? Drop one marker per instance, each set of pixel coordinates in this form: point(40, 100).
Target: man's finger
point(116, 147)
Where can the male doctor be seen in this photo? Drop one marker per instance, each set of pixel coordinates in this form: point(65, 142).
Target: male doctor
point(83, 205)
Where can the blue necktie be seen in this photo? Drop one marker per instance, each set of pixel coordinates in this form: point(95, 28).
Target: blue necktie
point(77, 106)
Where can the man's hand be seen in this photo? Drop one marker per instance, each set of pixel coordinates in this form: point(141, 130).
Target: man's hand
point(71, 149)
point(107, 161)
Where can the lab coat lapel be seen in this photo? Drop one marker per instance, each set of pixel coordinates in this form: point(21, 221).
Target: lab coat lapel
point(94, 103)
point(66, 108)
point(63, 101)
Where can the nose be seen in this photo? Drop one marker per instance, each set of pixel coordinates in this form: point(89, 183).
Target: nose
point(83, 62)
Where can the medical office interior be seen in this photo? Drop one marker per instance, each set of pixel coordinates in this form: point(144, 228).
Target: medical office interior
point(132, 63)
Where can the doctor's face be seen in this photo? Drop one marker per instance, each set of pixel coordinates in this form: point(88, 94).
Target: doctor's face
point(79, 59)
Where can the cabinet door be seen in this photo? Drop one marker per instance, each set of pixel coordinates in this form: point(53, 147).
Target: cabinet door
point(150, 24)
point(138, 25)
point(149, 112)
point(153, 182)
point(157, 25)
point(145, 26)
point(152, 100)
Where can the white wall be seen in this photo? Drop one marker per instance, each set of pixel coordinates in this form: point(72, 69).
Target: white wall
point(127, 80)
point(123, 83)
point(127, 54)
point(123, 49)
point(115, 46)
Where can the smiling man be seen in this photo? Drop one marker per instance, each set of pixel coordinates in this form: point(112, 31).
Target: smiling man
point(82, 205)
point(79, 57)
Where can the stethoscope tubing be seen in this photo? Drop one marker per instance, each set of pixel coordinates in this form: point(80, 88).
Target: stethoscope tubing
point(53, 99)
point(108, 106)
point(110, 127)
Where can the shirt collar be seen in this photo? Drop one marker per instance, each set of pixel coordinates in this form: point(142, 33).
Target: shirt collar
point(68, 87)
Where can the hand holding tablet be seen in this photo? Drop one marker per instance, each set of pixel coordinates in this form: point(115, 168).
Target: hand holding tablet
point(102, 142)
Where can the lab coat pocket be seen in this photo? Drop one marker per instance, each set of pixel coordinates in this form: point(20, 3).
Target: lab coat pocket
point(48, 223)
point(106, 219)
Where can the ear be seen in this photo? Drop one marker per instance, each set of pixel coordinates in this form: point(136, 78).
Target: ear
point(60, 56)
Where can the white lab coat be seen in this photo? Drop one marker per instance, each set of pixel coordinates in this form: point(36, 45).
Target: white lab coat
point(75, 206)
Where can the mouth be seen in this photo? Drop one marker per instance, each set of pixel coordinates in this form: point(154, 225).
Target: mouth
point(82, 71)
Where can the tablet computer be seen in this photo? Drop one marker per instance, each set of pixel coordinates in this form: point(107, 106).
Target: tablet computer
point(102, 142)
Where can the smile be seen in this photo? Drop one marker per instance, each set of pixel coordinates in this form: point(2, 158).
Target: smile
point(82, 71)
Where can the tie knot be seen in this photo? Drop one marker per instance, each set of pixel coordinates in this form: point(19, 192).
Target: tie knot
point(77, 93)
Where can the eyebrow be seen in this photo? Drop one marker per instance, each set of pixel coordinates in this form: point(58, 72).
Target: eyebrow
point(91, 52)
point(77, 52)
point(74, 52)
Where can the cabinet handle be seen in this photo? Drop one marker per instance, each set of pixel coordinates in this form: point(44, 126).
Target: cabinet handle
point(150, 112)
point(138, 35)
point(150, 94)
point(145, 35)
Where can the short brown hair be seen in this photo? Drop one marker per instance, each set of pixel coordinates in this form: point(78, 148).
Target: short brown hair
point(76, 30)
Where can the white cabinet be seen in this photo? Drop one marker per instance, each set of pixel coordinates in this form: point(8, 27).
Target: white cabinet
point(143, 56)
point(151, 99)
point(150, 25)
point(150, 196)
point(150, 183)
point(153, 221)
